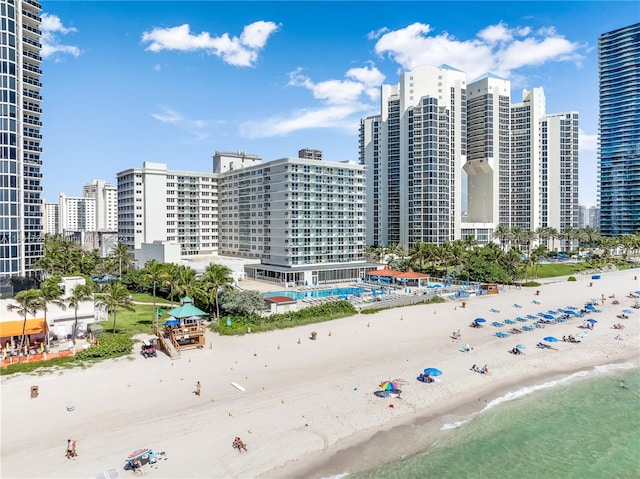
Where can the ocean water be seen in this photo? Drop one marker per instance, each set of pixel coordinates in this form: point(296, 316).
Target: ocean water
point(583, 426)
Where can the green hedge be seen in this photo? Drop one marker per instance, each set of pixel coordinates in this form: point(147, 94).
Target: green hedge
point(531, 284)
point(314, 314)
point(572, 278)
point(110, 346)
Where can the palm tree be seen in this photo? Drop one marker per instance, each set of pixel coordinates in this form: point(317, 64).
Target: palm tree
point(28, 303)
point(215, 278)
point(553, 235)
point(115, 295)
point(502, 234)
point(418, 254)
point(50, 292)
point(517, 236)
point(81, 293)
point(156, 274)
point(121, 256)
point(470, 242)
point(183, 282)
point(537, 254)
point(569, 234)
point(528, 237)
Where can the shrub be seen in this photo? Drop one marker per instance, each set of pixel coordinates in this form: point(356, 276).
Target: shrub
point(531, 284)
point(110, 346)
point(571, 278)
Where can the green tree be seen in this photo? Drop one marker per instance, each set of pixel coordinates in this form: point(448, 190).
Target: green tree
point(50, 292)
point(216, 277)
point(502, 234)
point(419, 254)
point(240, 302)
point(81, 293)
point(121, 257)
point(27, 304)
point(157, 275)
point(116, 295)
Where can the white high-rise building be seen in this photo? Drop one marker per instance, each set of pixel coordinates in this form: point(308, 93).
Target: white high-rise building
point(524, 193)
point(488, 156)
point(157, 204)
point(106, 197)
point(76, 214)
point(21, 230)
point(414, 152)
point(521, 164)
point(558, 175)
point(304, 219)
point(51, 218)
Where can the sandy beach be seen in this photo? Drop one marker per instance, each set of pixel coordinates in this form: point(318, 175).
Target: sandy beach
point(308, 406)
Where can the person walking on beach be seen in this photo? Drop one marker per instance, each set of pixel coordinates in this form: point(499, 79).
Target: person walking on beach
point(69, 449)
point(623, 385)
point(198, 387)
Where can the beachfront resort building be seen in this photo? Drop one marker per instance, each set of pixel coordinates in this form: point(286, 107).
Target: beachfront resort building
point(435, 132)
point(300, 219)
point(619, 131)
point(21, 232)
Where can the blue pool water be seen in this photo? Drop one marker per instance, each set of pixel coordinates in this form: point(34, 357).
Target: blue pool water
point(321, 293)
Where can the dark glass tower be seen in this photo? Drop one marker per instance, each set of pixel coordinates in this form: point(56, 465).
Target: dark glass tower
point(20, 150)
point(619, 147)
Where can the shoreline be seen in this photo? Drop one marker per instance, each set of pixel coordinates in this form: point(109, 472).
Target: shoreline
point(382, 446)
point(306, 401)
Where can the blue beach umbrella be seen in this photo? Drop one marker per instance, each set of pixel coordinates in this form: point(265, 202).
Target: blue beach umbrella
point(480, 320)
point(591, 321)
point(628, 311)
point(520, 346)
point(551, 339)
point(590, 307)
point(433, 372)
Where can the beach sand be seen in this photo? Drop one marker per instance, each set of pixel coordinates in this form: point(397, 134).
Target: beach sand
point(308, 409)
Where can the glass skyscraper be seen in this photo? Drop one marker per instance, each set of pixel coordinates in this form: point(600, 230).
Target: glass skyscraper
point(20, 123)
point(619, 147)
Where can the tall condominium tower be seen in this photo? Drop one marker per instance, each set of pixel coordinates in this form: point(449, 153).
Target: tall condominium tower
point(619, 146)
point(21, 229)
point(488, 165)
point(558, 176)
point(413, 152)
point(106, 203)
point(524, 195)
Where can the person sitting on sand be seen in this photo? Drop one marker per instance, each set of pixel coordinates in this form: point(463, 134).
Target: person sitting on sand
point(239, 445)
point(474, 368)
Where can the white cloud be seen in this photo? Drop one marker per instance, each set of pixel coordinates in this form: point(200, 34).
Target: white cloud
point(238, 51)
point(497, 48)
point(335, 116)
point(344, 102)
point(197, 129)
point(587, 142)
point(51, 28)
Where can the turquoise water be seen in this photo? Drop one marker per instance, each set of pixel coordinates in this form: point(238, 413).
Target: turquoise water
point(321, 293)
point(583, 427)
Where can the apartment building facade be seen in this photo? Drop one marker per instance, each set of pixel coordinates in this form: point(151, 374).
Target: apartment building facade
point(414, 152)
point(520, 164)
point(303, 219)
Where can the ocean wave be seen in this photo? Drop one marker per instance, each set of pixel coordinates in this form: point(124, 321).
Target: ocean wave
point(453, 425)
point(337, 476)
point(600, 370)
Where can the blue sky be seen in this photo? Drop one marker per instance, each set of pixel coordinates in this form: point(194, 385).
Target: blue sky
point(174, 81)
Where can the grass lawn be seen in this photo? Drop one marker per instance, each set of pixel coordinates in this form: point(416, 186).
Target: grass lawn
point(132, 322)
point(148, 298)
point(557, 269)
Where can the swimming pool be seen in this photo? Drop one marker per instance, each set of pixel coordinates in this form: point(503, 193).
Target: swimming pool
point(321, 293)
